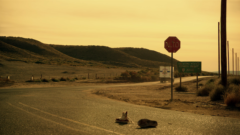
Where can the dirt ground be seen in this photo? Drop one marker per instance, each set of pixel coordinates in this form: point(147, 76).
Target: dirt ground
point(159, 96)
point(21, 72)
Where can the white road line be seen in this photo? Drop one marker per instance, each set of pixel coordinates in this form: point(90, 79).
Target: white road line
point(47, 119)
point(71, 120)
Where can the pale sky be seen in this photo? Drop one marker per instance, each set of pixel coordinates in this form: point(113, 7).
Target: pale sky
point(126, 23)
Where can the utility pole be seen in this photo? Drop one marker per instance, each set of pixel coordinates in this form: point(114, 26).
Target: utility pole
point(228, 58)
point(236, 62)
point(223, 42)
point(237, 65)
point(233, 60)
point(218, 51)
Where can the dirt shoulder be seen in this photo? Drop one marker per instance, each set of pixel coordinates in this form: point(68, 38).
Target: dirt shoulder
point(159, 96)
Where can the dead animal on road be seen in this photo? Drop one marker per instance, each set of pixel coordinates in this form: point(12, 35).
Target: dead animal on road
point(144, 123)
point(123, 119)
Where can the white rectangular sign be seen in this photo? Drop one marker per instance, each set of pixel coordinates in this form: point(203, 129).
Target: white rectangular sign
point(165, 72)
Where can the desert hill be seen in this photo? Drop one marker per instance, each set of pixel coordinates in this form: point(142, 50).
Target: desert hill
point(31, 50)
point(146, 54)
point(106, 55)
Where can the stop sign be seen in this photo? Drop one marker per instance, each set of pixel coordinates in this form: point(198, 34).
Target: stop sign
point(172, 44)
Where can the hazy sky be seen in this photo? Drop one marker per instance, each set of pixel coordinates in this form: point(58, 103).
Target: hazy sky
point(126, 23)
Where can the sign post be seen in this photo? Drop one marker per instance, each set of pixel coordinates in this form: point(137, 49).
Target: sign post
point(172, 45)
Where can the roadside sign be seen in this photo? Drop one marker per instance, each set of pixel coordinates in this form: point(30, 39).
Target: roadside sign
point(189, 67)
point(172, 44)
point(165, 71)
point(165, 74)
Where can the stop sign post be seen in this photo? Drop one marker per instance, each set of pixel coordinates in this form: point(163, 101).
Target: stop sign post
point(172, 45)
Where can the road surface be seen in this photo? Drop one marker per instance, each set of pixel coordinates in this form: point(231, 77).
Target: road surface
point(72, 111)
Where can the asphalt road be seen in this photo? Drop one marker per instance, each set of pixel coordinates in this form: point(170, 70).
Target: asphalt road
point(70, 111)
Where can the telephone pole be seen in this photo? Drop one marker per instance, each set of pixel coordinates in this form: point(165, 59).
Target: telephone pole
point(218, 51)
point(236, 62)
point(238, 65)
point(228, 57)
point(233, 60)
point(223, 42)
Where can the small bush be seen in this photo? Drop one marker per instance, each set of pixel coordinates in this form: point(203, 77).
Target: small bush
point(232, 88)
point(125, 75)
point(200, 84)
point(37, 80)
point(145, 78)
point(155, 78)
point(84, 78)
point(181, 89)
point(216, 93)
point(76, 78)
point(72, 80)
point(210, 81)
point(231, 99)
point(205, 90)
point(235, 81)
point(45, 80)
point(39, 62)
point(55, 80)
point(209, 86)
point(29, 81)
point(63, 79)
point(65, 72)
point(202, 92)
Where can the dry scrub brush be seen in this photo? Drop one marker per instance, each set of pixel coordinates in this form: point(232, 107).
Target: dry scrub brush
point(140, 76)
point(205, 90)
point(232, 95)
point(181, 89)
point(55, 80)
point(45, 80)
point(217, 92)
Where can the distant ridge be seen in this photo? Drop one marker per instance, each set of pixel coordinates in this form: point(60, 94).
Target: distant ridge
point(146, 54)
point(107, 55)
point(31, 50)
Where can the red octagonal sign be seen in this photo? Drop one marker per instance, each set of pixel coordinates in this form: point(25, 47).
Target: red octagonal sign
point(172, 44)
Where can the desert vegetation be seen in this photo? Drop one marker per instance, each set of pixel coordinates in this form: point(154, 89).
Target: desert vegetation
point(140, 76)
point(152, 74)
point(6, 82)
point(214, 89)
point(53, 79)
point(181, 89)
